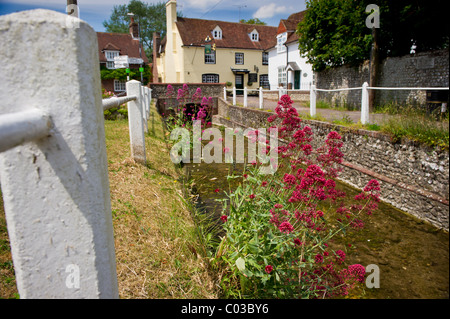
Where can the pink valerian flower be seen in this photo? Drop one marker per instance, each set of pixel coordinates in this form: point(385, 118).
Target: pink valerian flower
point(286, 227)
point(197, 95)
point(224, 218)
point(318, 258)
point(170, 90)
point(289, 179)
point(264, 183)
point(272, 118)
point(298, 242)
point(278, 206)
point(252, 196)
point(217, 190)
point(268, 269)
point(372, 185)
point(340, 256)
point(357, 271)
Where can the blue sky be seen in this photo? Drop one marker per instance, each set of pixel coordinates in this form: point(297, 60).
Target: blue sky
point(96, 11)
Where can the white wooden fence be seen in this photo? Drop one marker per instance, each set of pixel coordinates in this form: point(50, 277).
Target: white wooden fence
point(364, 96)
point(313, 96)
point(53, 163)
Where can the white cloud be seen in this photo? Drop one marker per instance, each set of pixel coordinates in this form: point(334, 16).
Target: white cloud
point(268, 11)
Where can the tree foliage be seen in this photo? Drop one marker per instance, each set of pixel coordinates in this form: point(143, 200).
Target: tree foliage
point(151, 18)
point(253, 21)
point(334, 32)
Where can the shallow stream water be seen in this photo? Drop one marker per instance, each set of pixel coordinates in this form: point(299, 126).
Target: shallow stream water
point(412, 256)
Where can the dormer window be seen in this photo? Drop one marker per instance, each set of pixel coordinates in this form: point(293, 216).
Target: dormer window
point(217, 33)
point(110, 55)
point(254, 36)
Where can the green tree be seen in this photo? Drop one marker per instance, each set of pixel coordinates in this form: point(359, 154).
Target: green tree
point(253, 21)
point(151, 18)
point(334, 32)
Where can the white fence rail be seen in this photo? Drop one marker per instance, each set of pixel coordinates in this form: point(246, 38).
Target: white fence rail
point(364, 96)
point(53, 163)
point(313, 96)
point(260, 92)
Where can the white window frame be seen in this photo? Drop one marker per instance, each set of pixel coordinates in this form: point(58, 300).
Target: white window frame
point(239, 58)
point(254, 36)
point(110, 54)
point(210, 58)
point(281, 40)
point(120, 86)
point(217, 33)
point(210, 78)
point(110, 65)
point(282, 76)
point(264, 81)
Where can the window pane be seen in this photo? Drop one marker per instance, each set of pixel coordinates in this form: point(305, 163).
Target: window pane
point(119, 86)
point(239, 58)
point(265, 58)
point(210, 58)
point(210, 78)
point(264, 81)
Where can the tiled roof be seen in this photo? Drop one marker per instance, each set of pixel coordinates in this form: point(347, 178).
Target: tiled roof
point(119, 41)
point(234, 35)
point(290, 25)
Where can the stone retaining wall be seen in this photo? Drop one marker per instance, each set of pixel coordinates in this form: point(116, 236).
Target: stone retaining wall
point(427, 69)
point(414, 177)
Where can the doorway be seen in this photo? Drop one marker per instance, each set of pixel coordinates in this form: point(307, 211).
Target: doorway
point(297, 80)
point(239, 80)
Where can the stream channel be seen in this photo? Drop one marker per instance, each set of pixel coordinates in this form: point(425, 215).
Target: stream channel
point(412, 256)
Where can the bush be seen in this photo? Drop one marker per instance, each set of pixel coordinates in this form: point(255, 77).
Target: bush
point(276, 241)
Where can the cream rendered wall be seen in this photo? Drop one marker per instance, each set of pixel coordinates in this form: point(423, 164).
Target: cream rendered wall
point(172, 71)
point(195, 66)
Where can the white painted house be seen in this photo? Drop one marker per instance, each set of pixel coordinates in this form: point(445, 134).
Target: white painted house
point(287, 68)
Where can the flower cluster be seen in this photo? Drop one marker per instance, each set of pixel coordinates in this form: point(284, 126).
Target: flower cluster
point(282, 236)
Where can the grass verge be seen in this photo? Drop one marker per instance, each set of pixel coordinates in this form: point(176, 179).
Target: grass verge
point(157, 243)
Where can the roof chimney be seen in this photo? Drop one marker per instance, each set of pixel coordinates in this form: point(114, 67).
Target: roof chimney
point(134, 29)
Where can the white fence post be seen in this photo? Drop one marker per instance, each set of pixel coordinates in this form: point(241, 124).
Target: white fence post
point(365, 104)
point(225, 93)
point(312, 100)
point(234, 95)
point(136, 123)
point(261, 98)
point(56, 189)
point(245, 97)
point(144, 108)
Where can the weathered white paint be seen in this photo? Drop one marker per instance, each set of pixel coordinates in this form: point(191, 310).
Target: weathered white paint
point(144, 108)
point(312, 100)
point(136, 123)
point(116, 101)
point(365, 104)
point(56, 189)
point(234, 95)
point(261, 98)
point(20, 127)
point(245, 97)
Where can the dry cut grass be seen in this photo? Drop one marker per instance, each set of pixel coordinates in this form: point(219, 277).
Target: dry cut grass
point(156, 238)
